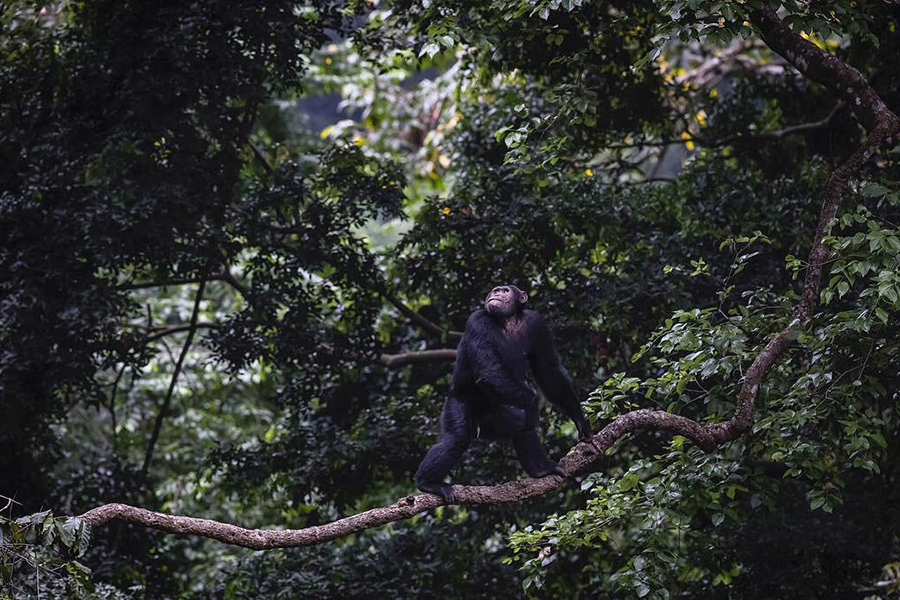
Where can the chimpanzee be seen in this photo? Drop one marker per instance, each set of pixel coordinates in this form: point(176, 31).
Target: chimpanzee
point(488, 395)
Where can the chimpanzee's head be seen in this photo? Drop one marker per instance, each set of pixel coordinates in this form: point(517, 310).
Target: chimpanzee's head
point(504, 301)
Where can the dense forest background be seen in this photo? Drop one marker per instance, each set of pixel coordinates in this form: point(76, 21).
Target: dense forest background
point(239, 240)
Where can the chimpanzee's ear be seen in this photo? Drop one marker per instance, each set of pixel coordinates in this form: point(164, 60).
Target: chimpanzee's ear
point(523, 297)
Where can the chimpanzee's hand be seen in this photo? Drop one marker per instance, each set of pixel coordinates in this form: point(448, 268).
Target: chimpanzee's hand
point(584, 429)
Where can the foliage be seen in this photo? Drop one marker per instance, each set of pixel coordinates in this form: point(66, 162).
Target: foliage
point(636, 166)
point(43, 547)
point(819, 430)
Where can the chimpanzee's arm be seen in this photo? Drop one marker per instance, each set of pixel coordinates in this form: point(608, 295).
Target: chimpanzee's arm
point(552, 377)
point(483, 353)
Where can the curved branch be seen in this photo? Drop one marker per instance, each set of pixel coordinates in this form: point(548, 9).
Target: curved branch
point(819, 66)
point(408, 506)
point(869, 108)
point(824, 68)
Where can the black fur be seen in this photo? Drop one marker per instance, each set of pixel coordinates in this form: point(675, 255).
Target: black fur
point(489, 397)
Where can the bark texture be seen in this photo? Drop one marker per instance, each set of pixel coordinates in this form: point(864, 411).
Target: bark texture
point(883, 126)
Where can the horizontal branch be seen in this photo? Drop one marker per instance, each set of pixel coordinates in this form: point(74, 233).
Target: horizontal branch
point(799, 128)
point(228, 278)
point(141, 285)
point(395, 361)
point(155, 334)
point(224, 276)
point(740, 137)
point(707, 437)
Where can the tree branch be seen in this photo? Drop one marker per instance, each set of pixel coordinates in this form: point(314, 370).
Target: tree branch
point(738, 137)
point(228, 278)
point(869, 108)
point(395, 361)
point(164, 331)
point(224, 276)
point(883, 126)
point(391, 361)
point(706, 437)
point(261, 157)
point(112, 407)
point(799, 128)
point(157, 426)
point(415, 317)
point(826, 69)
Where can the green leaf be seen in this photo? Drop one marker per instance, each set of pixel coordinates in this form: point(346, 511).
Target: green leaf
point(430, 49)
point(872, 189)
point(33, 519)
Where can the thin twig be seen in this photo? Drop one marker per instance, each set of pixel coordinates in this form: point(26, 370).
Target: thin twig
point(163, 332)
point(157, 426)
point(112, 406)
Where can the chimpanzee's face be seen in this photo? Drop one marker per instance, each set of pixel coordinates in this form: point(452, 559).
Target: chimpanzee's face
point(504, 300)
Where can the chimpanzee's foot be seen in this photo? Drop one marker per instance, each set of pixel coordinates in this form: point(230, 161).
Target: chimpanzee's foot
point(444, 490)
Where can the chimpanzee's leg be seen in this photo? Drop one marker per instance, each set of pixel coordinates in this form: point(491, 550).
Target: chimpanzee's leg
point(531, 455)
point(456, 433)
